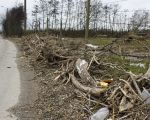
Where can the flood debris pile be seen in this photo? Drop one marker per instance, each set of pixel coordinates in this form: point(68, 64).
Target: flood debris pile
point(76, 84)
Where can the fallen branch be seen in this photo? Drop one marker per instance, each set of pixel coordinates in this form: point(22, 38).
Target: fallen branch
point(135, 83)
point(131, 89)
point(93, 91)
point(82, 67)
point(147, 74)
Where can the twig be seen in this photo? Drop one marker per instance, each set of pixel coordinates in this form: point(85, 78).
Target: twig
point(125, 94)
point(114, 92)
point(91, 62)
point(137, 87)
point(91, 100)
point(131, 89)
point(56, 78)
point(68, 80)
point(113, 116)
point(135, 84)
point(125, 116)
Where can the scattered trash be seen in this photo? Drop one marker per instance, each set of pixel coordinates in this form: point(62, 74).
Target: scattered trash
point(92, 46)
point(145, 96)
point(108, 80)
point(101, 114)
point(138, 65)
point(102, 84)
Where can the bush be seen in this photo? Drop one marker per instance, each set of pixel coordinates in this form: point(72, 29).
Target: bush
point(12, 24)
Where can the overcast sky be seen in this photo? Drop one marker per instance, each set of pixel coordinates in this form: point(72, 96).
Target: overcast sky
point(4, 4)
point(125, 4)
point(131, 4)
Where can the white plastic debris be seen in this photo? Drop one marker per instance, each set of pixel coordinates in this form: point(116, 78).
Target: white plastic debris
point(92, 46)
point(141, 65)
point(145, 96)
point(100, 114)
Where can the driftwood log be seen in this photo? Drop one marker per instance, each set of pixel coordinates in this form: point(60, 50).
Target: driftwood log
point(91, 90)
point(82, 67)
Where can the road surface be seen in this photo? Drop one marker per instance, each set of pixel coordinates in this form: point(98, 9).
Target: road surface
point(9, 79)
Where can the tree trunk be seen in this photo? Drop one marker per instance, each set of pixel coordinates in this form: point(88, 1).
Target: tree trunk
point(87, 20)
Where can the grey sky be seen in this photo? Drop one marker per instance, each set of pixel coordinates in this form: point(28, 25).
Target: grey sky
point(125, 4)
point(4, 4)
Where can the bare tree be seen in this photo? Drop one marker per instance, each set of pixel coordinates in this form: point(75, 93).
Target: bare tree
point(115, 10)
point(43, 6)
point(61, 19)
point(68, 13)
point(139, 20)
point(96, 10)
point(73, 15)
point(55, 5)
point(88, 4)
point(35, 15)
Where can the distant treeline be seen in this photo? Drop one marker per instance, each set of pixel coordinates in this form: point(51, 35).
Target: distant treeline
point(79, 33)
point(71, 14)
point(103, 33)
point(13, 22)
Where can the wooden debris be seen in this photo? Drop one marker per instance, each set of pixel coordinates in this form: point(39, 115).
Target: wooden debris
point(147, 74)
point(125, 105)
point(93, 91)
point(82, 66)
point(120, 94)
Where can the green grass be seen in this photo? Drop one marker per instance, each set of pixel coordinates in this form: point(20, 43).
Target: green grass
point(135, 69)
point(100, 41)
point(125, 63)
point(148, 42)
point(118, 59)
point(122, 61)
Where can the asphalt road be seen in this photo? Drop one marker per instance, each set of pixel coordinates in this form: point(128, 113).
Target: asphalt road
point(9, 79)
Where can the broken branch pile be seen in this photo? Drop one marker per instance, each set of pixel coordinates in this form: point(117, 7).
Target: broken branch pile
point(126, 96)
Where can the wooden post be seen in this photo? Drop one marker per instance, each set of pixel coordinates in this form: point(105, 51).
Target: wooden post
point(25, 11)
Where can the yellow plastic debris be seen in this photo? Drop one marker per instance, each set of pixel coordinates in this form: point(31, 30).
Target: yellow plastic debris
point(102, 84)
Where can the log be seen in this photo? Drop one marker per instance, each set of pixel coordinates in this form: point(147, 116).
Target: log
point(91, 90)
point(82, 67)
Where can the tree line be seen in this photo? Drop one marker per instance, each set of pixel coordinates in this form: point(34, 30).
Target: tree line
point(71, 14)
point(13, 21)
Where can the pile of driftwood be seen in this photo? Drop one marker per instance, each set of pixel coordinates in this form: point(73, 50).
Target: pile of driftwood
point(125, 97)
